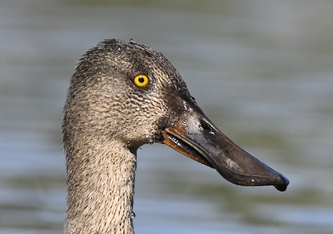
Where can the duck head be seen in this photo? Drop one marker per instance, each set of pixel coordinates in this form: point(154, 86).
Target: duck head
point(132, 94)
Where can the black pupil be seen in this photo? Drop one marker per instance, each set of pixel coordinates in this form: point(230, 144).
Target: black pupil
point(141, 79)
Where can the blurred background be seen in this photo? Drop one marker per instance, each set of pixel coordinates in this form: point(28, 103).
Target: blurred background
point(261, 70)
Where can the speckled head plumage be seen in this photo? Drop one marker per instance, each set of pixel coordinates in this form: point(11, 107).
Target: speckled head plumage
point(111, 101)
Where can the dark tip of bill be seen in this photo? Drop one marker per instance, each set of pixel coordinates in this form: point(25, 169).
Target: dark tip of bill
point(283, 186)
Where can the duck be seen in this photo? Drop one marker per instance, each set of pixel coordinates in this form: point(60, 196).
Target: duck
point(121, 96)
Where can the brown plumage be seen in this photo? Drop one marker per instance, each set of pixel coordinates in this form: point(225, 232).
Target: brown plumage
point(108, 116)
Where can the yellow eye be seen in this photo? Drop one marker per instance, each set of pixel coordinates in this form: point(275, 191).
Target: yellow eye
point(141, 80)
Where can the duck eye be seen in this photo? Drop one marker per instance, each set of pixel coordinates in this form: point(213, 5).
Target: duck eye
point(141, 80)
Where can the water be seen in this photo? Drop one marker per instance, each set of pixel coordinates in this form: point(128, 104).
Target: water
point(262, 71)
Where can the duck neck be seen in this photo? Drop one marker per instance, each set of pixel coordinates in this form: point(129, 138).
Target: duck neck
point(100, 188)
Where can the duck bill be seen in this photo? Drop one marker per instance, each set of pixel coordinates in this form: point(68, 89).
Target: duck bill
point(197, 137)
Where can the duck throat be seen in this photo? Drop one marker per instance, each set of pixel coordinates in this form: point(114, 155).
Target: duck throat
point(100, 189)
